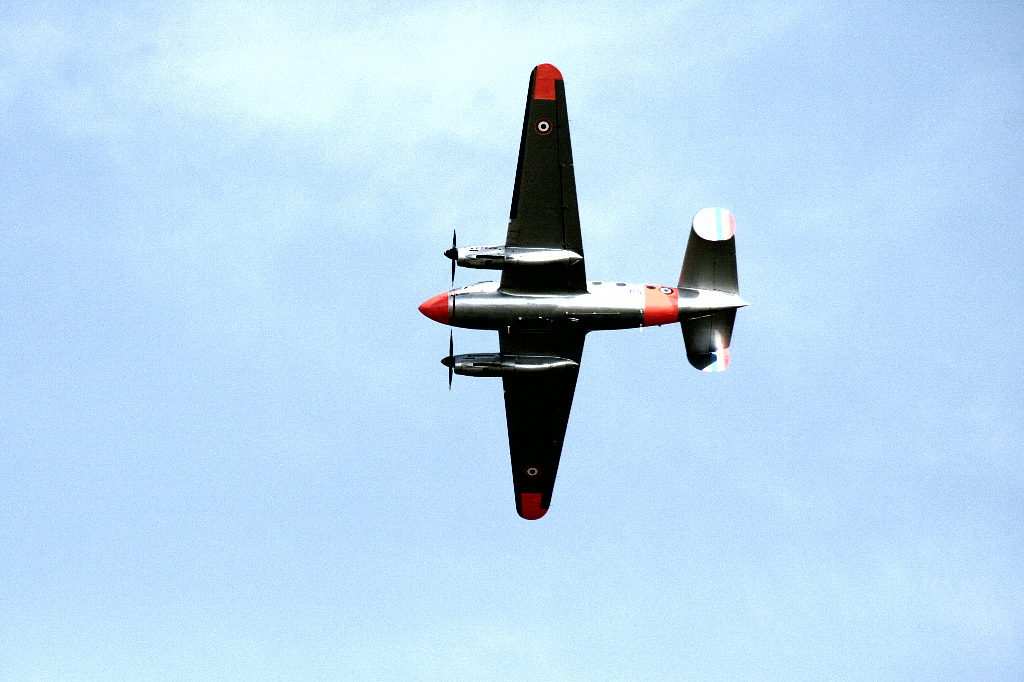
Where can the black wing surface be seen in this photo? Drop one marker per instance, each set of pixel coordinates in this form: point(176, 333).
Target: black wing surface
point(544, 210)
point(537, 411)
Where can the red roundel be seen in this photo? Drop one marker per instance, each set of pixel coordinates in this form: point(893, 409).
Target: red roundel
point(543, 126)
point(533, 472)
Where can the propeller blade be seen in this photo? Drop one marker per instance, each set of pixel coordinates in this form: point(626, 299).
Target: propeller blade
point(453, 254)
point(451, 354)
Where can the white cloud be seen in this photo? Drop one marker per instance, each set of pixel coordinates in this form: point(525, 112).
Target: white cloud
point(310, 68)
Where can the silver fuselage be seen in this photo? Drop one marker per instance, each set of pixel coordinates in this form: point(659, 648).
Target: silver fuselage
point(606, 305)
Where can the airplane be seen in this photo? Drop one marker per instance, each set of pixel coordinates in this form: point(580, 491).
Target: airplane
point(544, 305)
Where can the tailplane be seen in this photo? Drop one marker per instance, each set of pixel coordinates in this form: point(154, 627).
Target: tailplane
point(710, 264)
point(707, 340)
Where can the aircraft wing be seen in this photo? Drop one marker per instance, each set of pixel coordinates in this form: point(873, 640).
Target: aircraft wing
point(537, 410)
point(544, 210)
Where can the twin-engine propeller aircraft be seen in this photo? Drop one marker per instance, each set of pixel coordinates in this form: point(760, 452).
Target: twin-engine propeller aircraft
point(544, 305)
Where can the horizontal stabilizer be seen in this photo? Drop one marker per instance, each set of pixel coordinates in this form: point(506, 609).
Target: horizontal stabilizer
point(710, 261)
point(707, 340)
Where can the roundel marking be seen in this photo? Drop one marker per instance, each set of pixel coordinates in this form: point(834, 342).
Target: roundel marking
point(532, 472)
point(661, 306)
point(543, 126)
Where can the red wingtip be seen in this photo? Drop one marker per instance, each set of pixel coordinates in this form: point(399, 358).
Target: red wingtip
point(529, 506)
point(544, 87)
point(436, 308)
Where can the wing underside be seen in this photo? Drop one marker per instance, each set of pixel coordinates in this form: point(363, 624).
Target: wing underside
point(544, 212)
point(537, 409)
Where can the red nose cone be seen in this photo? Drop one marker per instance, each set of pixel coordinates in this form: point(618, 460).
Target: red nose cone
point(436, 308)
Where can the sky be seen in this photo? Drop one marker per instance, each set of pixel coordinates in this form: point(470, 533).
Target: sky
point(229, 451)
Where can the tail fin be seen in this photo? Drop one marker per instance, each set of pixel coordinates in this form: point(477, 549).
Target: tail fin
point(710, 264)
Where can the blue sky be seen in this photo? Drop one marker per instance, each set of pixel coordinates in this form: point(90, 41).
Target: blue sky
point(229, 451)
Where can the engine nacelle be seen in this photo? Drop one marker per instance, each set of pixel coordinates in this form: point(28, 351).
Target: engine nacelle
point(501, 257)
point(502, 364)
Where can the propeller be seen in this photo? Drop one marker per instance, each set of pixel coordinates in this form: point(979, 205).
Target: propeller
point(453, 253)
point(449, 362)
